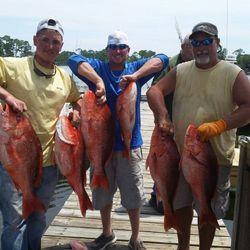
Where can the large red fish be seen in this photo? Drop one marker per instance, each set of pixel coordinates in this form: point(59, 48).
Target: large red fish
point(69, 154)
point(76, 245)
point(125, 112)
point(200, 169)
point(163, 162)
point(21, 155)
point(98, 133)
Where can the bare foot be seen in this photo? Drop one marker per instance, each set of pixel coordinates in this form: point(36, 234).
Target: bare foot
point(76, 245)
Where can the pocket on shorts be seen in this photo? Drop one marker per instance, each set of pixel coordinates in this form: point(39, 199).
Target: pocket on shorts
point(136, 154)
point(220, 204)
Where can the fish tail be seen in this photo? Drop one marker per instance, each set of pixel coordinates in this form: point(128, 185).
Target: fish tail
point(100, 181)
point(170, 221)
point(208, 218)
point(33, 205)
point(85, 203)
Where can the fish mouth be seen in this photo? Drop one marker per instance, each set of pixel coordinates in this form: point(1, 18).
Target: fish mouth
point(61, 133)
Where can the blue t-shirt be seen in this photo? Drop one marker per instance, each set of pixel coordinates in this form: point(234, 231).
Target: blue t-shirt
point(111, 80)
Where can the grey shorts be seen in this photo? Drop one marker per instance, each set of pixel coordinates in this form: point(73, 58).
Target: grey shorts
point(127, 176)
point(220, 202)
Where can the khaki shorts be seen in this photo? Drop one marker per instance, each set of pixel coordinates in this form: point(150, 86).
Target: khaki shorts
point(220, 202)
point(127, 176)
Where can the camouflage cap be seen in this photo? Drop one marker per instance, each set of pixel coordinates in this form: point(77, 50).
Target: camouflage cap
point(204, 27)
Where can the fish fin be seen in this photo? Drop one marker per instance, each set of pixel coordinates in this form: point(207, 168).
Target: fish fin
point(170, 221)
point(85, 203)
point(100, 181)
point(33, 205)
point(208, 218)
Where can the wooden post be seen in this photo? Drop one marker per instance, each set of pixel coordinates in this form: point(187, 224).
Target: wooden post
point(241, 225)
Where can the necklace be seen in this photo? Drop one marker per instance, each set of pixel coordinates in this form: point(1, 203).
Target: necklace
point(115, 76)
point(120, 72)
point(40, 73)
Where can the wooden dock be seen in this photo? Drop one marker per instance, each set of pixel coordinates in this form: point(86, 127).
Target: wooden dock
point(69, 224)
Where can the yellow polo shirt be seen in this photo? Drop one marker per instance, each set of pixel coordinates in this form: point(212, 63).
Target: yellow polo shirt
point(44, 97)
point(205, 95)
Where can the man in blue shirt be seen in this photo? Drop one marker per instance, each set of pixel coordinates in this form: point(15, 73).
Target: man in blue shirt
point(107, 79)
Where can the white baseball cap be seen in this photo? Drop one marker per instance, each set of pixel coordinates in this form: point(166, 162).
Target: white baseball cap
point(50, 23)
point(118, 37)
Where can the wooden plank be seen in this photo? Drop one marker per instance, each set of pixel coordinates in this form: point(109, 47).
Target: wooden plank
point(124, 235)
point(61, 243)
point(120, 224)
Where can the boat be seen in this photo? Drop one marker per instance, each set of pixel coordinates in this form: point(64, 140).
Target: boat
point(231, 59)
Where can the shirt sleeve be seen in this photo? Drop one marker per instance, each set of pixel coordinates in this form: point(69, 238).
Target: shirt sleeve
point(2, 73)
point(140, 63)
point(164, 59)
point(75, 60)
point(74, 93)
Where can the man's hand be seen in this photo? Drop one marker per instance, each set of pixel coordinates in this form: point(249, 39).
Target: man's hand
point(211, 129)
point(166, 128)
point(16, 104)
point(75, 115)
point(100, 92)
point(126, 79)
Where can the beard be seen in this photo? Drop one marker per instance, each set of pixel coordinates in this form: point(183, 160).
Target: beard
point(202, 57)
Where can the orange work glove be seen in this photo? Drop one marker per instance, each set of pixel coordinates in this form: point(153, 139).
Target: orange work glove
point(211, 129)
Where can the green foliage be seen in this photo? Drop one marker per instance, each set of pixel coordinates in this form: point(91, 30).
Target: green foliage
point(62, 58)
point(19, 48)
point(222, 53)
point(244, 62)
point(140, 55)
point(14, 47)
point(102, 55)
point(238, 52)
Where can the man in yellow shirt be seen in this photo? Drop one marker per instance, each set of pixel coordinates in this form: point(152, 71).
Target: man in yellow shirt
point(40, 88)
point(214, 95)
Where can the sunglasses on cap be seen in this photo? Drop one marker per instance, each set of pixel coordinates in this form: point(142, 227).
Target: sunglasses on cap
point(117, 46)
point(206, 42)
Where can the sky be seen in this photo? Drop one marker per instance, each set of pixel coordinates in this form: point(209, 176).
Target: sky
point(149, 24)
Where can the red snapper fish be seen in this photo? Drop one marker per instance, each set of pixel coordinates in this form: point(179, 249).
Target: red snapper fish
point(69, 155)
point(200, 169)
point(97, 129)
point(125, 112)
point(22, 157)
point(76, 245)
point(163, 162)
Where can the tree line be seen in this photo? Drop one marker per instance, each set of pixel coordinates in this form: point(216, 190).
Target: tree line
point(10, 47)
point(14, 47)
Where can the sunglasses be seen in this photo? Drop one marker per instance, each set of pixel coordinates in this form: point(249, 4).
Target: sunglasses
point(206, 42)
point(117, 46)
